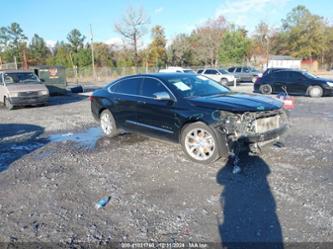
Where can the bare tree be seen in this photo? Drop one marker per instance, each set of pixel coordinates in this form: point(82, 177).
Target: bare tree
point(133, 27)
point(207, 40)
point(263, 36)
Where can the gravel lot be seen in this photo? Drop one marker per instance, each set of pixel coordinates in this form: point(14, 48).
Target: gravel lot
point(55, 165)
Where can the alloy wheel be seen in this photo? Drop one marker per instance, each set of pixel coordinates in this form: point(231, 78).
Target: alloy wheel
point(200, 144)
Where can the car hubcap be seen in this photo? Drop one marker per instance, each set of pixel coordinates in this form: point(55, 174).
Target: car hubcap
point(315, 91)
point(106, 124)
point(265, 89)
point(199, 144)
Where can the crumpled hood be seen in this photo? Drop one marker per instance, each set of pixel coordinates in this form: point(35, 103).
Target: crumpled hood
point(25, 87)
point(237, 102)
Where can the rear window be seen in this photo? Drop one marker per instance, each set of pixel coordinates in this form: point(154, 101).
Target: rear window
point(127, 86)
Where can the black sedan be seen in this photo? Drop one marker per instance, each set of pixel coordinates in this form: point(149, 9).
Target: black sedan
point(295, 82)
point(207, 118)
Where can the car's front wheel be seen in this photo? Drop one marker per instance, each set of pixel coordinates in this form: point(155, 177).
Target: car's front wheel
point(199, 143)
point(224, 81)
point(108, 124)
point(8, 104)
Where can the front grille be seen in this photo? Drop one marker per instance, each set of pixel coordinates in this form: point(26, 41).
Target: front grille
point(28, 94)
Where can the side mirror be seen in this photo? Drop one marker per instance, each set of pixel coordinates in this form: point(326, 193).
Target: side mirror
point(162, 96)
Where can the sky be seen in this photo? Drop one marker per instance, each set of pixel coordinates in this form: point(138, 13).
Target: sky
point(52, 20)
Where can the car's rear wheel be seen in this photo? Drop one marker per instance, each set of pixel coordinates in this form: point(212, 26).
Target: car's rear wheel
point(199, 143)
point(108, 124)
point(265, 89)
point(8, 104)
point(315, 92)
point(224, 81)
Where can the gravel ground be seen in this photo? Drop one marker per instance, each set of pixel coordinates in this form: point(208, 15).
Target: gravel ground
point(55, 165)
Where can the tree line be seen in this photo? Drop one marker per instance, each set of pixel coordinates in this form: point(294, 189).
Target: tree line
point(216, 42)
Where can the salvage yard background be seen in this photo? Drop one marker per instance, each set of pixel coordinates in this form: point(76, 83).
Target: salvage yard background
point(55, 165)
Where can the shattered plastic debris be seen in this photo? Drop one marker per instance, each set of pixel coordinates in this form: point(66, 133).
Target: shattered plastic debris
point(102, 202)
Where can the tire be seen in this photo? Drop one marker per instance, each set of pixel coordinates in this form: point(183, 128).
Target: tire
point(8, 105)
point(204, 151)
point(108, 124)
point(315, 91)
point(224, 81)
point(265, 89)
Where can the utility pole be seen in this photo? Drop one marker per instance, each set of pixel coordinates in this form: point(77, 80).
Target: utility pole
point(92, 53)
point(15, 62)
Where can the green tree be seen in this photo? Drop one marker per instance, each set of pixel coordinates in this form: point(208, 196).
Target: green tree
point(157, 50)
point(75, 39)
point(235, 47)
point(61, 55)
point(38, 50)
point(13, 43)
point(304, 33)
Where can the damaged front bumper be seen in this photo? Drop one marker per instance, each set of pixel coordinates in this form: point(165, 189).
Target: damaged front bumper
point(257, 128)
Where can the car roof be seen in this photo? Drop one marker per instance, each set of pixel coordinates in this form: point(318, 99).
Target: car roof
point(162, 76)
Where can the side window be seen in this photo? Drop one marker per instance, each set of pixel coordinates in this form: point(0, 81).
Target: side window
point(1, 82)
point(127, 86)
point(245, 70)
point(238, 69)
point(295, 76)
point(231, 70)
point(151, 86)
point(210, 71)
point(200, 71)
point(279, 76)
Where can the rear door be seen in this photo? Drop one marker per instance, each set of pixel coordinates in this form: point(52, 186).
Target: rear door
point(156, 117)
point(297, 83)
point(125, 98)
point(278, 80)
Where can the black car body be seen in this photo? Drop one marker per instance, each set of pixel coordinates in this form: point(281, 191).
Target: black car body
point(169, 105)
point(295, 82)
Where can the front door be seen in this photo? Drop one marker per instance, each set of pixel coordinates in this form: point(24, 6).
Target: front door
point(156, 117)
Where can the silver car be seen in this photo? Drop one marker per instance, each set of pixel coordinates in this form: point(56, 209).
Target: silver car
point(22, 88)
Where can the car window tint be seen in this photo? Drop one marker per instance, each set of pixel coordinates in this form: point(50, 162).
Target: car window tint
point(1, 79)
point(151, 86)
point(238, 69)
point(295, 76)
point(210, 71)
point(231, 70)
point(279, 76)
point(127, 86)
point(200, 71)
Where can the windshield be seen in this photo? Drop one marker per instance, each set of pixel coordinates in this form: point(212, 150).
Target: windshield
point(309, 75)
point(196, 86)
point(223, 71)
point(20, 77)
